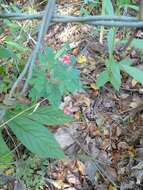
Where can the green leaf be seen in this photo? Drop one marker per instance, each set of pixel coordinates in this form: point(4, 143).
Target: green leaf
point(16, 46)
point(39, 85)
point(50, 54)
point(40, 82)
point(5, 154)
point(84, 12)
point(50, 116)
point(134, 72)
point(5, 53)
point(36, 137)
point(134, 7)
point(125, 62)
point(56, 80)
point(102, 79)
point(115, 69)
point(110, 41)
point(53, 94)
point(114, 82)
point(68, 76)
point(43, 59)
point(115, 76)
point(73, 59)
point(109, 7)
point(137, 43)
point(29, 129)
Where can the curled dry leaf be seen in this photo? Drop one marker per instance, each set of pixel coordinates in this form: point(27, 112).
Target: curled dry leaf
point(63, 138)
point(134, 83)
point(72, 179)
point(131, 151)
point(122, 146)
point(81, 167)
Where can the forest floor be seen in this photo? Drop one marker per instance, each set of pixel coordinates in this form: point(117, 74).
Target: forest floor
point(109, 124)
point(104, 145)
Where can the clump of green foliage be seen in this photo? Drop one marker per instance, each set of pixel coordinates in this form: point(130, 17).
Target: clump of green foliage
point(51, 80)
point(113, 71)
point(31, 172)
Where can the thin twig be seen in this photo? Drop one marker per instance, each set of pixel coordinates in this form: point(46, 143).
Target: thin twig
point(20, 76)
point(16, 150)
point(44, 27)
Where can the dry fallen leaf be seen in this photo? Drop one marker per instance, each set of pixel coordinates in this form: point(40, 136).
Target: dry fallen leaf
point(70, 188)
point(122, 146)
point(82, 59)
point(111, 172)
point(9, 171)
point(75, 51)
point(134, 104)
point(93, 86)
point(134, 82)
point(131, 151)
point(81, 167)
point(59, 184)
point(106, 132)
point(72, 179)
point(87, 101)
point(77, 115)
point(63, 138)
point(118, 131)
point(111, 187)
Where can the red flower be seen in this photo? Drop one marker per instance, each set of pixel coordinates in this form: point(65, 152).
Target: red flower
point(66, 59)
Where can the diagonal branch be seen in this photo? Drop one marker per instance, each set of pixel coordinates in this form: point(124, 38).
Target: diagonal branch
point(43, 30)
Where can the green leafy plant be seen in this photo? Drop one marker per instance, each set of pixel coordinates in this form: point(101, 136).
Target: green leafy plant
point(128, 4)
point(88, 6)
point(30, 130)
point(112, 72)
point(5, 154)
point(13, 54)
point(31, 172)
point(53, 78)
